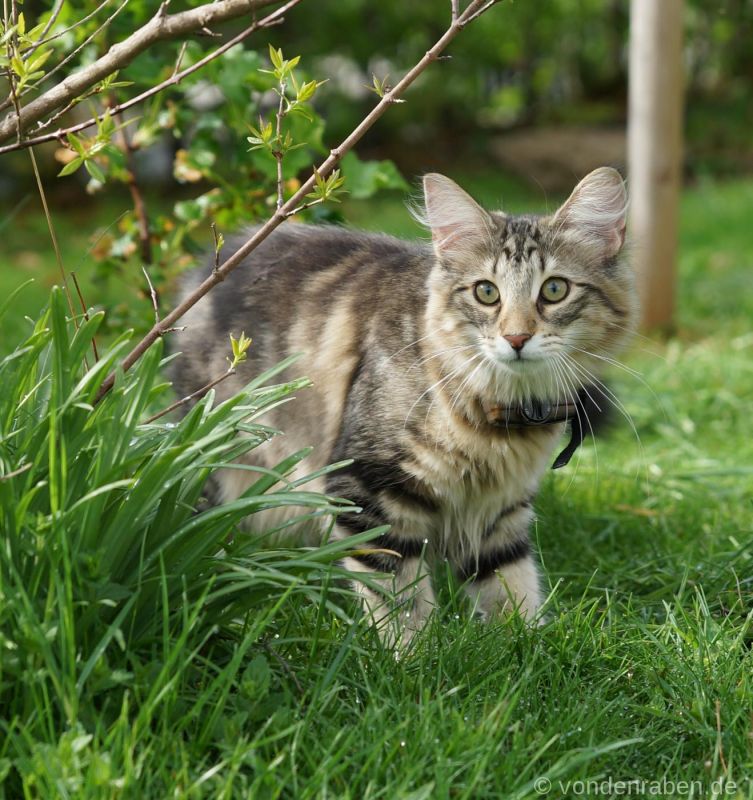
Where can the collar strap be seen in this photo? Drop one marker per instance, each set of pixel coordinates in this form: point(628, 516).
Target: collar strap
point(531, 413)
point(535, 413)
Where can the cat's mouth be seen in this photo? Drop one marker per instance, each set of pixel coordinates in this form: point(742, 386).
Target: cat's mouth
point(520, 362)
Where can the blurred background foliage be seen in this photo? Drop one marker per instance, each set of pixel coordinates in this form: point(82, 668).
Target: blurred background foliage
point(534, 95)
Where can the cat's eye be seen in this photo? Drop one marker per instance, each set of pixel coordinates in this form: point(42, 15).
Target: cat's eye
point(554, 290)
point(486, 293)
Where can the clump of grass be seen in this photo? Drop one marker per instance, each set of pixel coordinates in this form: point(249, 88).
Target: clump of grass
point(127, 617)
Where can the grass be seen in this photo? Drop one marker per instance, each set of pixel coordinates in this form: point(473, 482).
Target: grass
point(644, 671)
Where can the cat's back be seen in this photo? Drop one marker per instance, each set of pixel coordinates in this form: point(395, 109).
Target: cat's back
point(322, 291)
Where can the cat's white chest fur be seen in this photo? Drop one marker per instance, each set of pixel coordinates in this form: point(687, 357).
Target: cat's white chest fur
point(476, 478)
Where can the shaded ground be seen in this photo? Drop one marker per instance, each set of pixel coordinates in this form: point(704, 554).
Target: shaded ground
point(555, 158)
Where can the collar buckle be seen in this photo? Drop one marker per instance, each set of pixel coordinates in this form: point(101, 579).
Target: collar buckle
point(536, 412)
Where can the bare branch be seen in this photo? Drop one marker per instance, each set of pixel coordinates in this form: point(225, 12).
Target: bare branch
point(304, 206)
point(58, 34)
point(271, 19)
point(83, 44)
point(160, 28)
point(479, 11)
point(281, 214)
point(48, 26)
point(153, 295)
point(198, 394)
point(50, 22)
point(16, 472)
point(278, 153)
point(11, 48)
point(179, 59)
point(218, 242)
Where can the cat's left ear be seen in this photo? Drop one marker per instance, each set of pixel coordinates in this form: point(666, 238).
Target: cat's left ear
point(597, 209)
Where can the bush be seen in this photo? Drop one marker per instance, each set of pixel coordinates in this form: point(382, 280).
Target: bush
point(122, 607)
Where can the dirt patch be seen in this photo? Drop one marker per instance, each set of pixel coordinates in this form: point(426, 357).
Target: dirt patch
point(557, 157)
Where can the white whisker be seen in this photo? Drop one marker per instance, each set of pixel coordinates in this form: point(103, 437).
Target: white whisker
point(608, 395)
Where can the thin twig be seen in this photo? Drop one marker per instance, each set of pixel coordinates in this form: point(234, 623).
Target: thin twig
point(50, 22)
point(11, 51)
point(198, 394)
point(76, 100)
point(77, 24)
point(479, 12)
point(15, 472)
point(217, 245)
point(281, 214)
point(455, 9)
point(51, 229)
point(14, 100)
point(57, 8)
point(278, 152)
point(304, 206)
point(155, 304)
point(65, 109)
point(160, 28)
point(153, 295)
point(179, 59)
point(86, 313)
point(719, 735)
point(284, 664)
point(83, 44)
point(271, 19)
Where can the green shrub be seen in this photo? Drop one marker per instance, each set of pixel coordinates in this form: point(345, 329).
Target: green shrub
point(122, 607)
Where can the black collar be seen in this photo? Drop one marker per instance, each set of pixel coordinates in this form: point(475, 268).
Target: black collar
point(534, 414)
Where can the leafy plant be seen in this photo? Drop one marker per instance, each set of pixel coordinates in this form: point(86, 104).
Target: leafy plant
point(116, 592)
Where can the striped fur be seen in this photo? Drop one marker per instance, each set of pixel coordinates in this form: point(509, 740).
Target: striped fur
point(404, 359)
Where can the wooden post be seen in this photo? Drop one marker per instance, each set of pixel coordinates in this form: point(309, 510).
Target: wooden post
point(655, 151)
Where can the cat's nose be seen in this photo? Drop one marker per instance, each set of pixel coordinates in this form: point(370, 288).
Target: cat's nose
point(518, 340)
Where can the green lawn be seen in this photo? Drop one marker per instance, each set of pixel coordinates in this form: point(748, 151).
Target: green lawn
point(644, 671)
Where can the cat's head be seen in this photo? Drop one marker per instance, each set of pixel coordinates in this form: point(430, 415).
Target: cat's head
point(529, 306)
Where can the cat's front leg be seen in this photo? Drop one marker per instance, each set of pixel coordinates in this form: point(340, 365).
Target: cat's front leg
point(397, 593)
point(504, 575)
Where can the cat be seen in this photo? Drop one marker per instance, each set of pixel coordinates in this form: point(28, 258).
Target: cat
point(446, 372)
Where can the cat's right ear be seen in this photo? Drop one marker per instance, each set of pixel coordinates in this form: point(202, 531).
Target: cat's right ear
point(457, 222)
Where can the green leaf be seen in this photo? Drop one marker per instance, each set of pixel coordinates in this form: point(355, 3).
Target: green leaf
point(94, 170)
point(38, 60)
point(18, 66)
point(106, 126)
point(77, 144)
point(8, 34)
point(239, 347)
point(275, 56)
point(306, 92)
point(71, 166)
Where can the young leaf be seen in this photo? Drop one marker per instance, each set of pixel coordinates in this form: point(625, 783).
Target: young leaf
point(275, 56)
point(71, 166)
point(94, 170)
point(77, 144)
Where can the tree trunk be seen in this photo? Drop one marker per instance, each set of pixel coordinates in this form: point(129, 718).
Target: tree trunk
point(655, 151)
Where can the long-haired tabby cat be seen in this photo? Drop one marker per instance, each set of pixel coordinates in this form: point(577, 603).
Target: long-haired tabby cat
point(445, 371)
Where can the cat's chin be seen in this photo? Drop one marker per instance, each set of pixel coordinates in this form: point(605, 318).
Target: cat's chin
point(522, 366)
